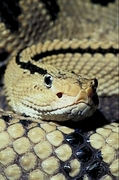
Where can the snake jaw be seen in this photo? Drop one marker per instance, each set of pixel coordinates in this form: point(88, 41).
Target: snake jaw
point(74, 101)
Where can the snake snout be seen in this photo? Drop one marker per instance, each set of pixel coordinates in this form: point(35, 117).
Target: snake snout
point(94, 84)
point(95, 96)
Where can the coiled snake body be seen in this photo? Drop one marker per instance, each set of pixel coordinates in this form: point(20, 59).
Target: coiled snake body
point(43, 82)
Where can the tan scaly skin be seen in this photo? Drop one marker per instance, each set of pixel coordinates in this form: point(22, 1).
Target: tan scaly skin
point(79, 36)
point(43, 91)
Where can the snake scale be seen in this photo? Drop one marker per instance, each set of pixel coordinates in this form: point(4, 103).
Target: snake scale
point(48, 45)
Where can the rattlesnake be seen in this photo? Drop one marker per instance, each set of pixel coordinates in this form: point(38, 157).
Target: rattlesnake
point(80, 37)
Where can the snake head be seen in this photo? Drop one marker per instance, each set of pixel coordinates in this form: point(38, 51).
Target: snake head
point(48, 93)
point(75, 97)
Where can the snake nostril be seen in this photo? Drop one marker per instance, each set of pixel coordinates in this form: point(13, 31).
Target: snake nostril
point(59, 95)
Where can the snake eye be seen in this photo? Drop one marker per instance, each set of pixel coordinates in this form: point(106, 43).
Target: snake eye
point(48, 80)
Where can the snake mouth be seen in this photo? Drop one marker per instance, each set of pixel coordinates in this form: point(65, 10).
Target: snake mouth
point(74, 111)
point(82, 105)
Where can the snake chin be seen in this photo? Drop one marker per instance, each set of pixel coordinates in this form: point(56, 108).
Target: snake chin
point(67, 107)
point(75, 112)
point(74, 108)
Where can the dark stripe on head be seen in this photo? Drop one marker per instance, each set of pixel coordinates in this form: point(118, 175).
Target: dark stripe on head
point(29, 66)
point(37, 57)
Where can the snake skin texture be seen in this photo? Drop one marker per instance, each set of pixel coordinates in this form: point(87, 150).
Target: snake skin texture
point(31, 149)
point(41, 150)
